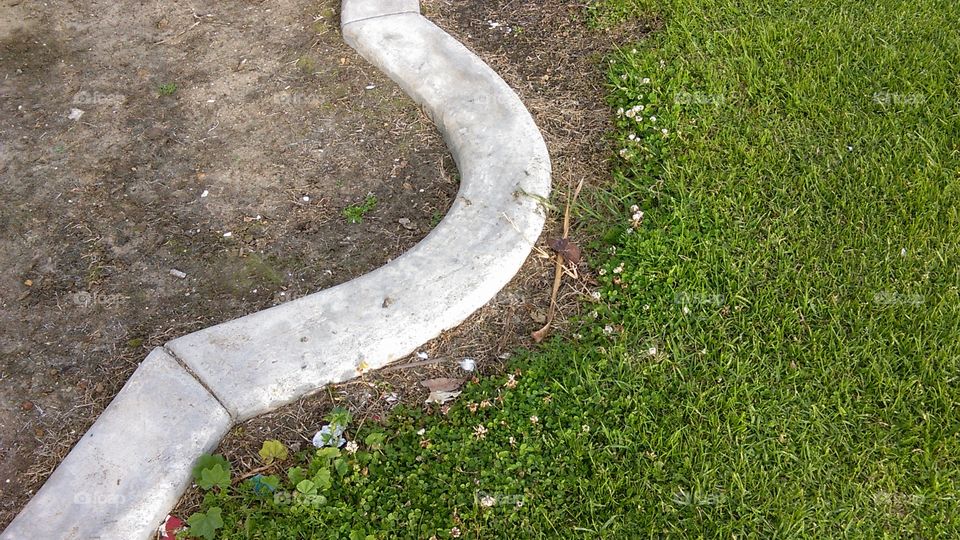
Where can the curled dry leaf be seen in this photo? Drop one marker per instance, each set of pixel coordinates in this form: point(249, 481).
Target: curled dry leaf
point(566, 248)
point(440, 397)
point(442, 390)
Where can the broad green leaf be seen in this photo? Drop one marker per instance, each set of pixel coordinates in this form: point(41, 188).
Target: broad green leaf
point(341, 466)
point(207, 461)
point(296, 475)
point(214, 476)
point(322, 479)
point(273, 450)
point(205, 525)
point(306, 487)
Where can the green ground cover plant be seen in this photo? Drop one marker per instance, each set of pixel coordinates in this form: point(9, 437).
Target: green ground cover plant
point(775, 345)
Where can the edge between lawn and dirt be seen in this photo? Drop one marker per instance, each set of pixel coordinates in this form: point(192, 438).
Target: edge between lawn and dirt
point(132, 465)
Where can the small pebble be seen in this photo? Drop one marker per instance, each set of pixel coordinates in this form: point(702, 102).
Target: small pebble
point(177, 273)
point(26, 406)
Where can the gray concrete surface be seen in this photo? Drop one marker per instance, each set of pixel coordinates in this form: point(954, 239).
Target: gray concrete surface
point(133, 464)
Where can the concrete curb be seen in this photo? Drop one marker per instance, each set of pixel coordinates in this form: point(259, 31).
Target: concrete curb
point(132, 465)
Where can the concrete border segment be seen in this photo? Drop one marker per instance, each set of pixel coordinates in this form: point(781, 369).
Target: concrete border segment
point(133, 464)
point(260, 362)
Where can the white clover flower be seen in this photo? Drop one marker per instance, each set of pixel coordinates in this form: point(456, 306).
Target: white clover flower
point(665, 131)
point(620, 111)
point(608, 329)
point(480, 432)
point(639, 119)
point(618, 269)
point(487, 501)
point(534, 419)
point(632, 136)
point(652, 351)
point(352, 447)
point(595, 295)
point(630, 113)
point(602, 271)
point(634, 208)
point(645, 80)
point(653, 119)
point(455, 532)
point(686, 310)
point(584, 428)
point(421, 431)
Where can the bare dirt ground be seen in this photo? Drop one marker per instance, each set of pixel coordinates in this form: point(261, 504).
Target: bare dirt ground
point(222, 140)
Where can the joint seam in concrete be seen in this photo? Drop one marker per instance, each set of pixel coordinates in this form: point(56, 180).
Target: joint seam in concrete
point(383, 16)
point(200, 381)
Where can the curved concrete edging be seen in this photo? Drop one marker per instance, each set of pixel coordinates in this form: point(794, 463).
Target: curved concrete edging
point(132, 465)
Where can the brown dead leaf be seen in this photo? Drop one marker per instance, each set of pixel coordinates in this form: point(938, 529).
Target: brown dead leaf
point(566, 248)
point(442, 385)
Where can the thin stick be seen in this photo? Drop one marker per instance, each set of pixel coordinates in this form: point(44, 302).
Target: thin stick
point(541, 334)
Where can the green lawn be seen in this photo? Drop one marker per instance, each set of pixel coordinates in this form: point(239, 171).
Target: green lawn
point(776, 352)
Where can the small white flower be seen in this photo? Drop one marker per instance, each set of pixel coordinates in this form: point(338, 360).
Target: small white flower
point(520, 504)
point(618, 269)
point(352, 447)
point(480, 432)
point(608, 329)
point(632, 137)
point(653, 119)
point(630, 113)
point(584, 428)
point(686, 310)
point(602, 271)
point(487, 501)
point(534, 419)
point(595, 295)
point(634, 208)
point(665, 131)
point(646, 80)
point(455, 532)
point(652, 351)
point(620, 111)
point(421, 431)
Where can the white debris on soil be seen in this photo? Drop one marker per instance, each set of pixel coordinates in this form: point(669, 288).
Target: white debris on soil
point(468, 364)
point(422, 355)
point(204, 194)
point(75, 114)
point(177, 273)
